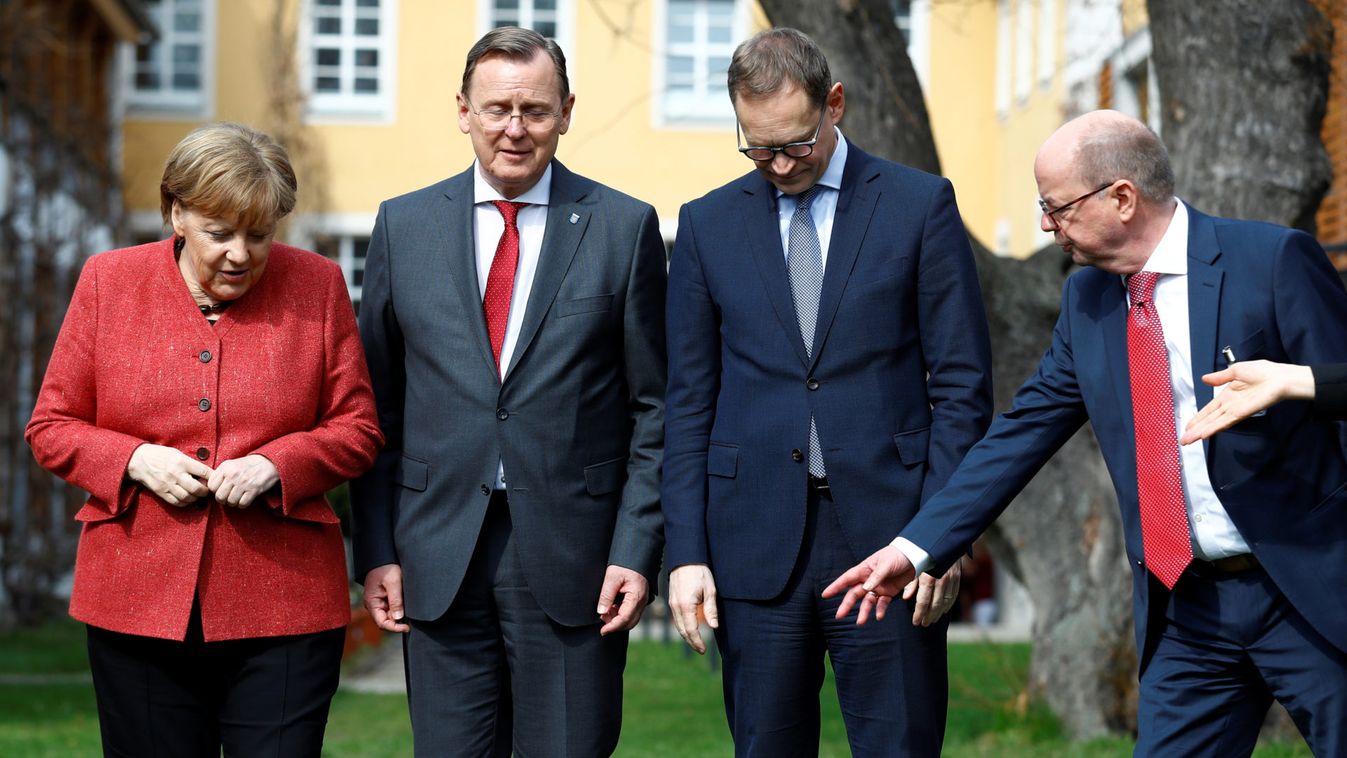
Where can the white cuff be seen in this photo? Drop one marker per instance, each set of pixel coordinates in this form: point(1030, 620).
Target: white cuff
point(920, 559)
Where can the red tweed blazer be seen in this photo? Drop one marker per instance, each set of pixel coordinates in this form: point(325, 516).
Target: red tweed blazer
point(282, 374)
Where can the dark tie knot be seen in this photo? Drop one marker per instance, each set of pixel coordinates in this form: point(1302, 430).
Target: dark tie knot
point(509, 210)
point(1141, 286)
point(803, 199)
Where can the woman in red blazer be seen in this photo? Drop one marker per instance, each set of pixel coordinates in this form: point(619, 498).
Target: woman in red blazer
point(206, 391)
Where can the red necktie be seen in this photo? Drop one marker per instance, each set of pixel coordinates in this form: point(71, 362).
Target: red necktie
point(1165, 536)
point(500, 280)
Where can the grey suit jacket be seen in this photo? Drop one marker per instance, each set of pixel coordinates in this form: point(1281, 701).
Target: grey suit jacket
point(578, 419)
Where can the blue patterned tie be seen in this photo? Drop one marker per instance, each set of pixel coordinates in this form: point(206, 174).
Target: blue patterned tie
point(804, 261)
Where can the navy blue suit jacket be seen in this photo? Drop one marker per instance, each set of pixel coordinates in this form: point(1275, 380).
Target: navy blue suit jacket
point(1266, 292)
point(899, 383)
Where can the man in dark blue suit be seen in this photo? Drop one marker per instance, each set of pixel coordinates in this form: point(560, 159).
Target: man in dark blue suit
point(1238, 545)
point(828, 367)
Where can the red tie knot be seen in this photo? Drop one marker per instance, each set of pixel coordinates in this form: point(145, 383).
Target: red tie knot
point(509, 210)
point(1141, 285)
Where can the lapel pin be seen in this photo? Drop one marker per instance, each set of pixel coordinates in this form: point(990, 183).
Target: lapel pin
point(575, 217)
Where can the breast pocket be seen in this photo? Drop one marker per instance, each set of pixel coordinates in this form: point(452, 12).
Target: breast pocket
point(1249, 348)
point(579, 305)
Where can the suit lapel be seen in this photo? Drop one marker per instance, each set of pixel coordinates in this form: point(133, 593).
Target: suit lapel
point(1204, 299)
point(567, 219)
point(855, 207)
point(763, 227)
point(1113, 323)
point(461, 257)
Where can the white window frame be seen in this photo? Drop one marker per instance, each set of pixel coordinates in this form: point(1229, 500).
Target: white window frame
point(919, 40)
point(1047, 42)
point(565, 20)
point(1134, 53)
point(1004, 60)
point(167, 102)
point(713, 109)
point(1024, 50)
point(344, 227)
point(146, 224)
point(350, 106)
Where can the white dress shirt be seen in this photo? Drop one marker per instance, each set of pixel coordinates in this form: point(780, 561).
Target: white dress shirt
point(488, 226)
point(823, 207)
point(1214, 534)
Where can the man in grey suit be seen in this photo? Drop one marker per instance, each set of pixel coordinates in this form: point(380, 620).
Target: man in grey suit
point(513, 319)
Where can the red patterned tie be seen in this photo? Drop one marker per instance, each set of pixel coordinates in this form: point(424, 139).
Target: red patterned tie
point(500, 280)
point(1164, 518)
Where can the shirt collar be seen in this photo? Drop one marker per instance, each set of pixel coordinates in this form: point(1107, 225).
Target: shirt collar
point(1171, 255)
point(837, 164)
point(538, 194)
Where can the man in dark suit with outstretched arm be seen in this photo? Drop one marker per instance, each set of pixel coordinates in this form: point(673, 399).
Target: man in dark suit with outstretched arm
point(1238, 545)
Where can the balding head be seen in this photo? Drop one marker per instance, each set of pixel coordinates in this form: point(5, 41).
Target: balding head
point(1108, 190)
point(1100, 147)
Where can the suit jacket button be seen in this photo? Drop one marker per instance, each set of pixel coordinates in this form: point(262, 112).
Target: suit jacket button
point(811, 383)
point(202, 453)
point(502, 414)
point(796, 455)
point(204, 405)
point(486, 490)
point(205, 356)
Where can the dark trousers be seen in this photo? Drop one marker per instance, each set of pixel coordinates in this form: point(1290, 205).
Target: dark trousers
point(495, 675)
point(891, 676)
point(1229, 644)
point(266, 696)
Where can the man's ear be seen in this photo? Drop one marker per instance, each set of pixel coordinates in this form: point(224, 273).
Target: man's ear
point(1125, 198)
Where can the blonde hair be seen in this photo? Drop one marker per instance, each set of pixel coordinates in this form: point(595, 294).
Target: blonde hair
point(228, 170)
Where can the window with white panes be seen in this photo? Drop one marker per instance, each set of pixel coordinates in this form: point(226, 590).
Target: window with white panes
point(349, 53)
point(348, 250)
point(172, 72)
point(699, 39)
point(554, 19)
point(542, 16)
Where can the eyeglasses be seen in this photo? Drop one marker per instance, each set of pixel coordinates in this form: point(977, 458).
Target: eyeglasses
point(1052, 213)
point(497, 118)
point(792, 150)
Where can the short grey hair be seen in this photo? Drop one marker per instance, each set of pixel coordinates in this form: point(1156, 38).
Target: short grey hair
point(773, 59)
point(519, 45)
point(1126, 150)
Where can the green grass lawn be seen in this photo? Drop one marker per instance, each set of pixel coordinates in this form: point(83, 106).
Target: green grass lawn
point(672, 707)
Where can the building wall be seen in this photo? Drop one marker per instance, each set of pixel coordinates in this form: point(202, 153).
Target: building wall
point(961, 99)
point(616, 136)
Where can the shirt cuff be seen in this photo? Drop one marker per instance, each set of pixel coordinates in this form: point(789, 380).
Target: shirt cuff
point(920, 559)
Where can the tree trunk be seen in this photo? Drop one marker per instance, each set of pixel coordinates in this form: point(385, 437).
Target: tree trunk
point(1243, 87)
point(1062, 536)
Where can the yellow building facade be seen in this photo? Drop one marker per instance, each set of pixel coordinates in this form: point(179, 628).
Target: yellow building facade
point(364, 90)
point(377, 80)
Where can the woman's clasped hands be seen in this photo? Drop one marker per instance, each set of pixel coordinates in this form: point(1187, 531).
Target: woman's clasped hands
point(178, 479)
